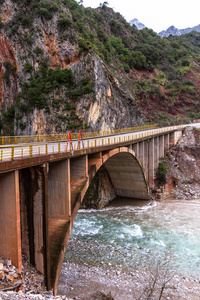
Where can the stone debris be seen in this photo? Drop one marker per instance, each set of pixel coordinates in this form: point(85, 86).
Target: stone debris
point(10, 277)
point(28, 284)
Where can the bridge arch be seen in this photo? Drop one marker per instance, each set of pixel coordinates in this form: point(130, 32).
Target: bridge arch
point(128, 179)
point(127, 174)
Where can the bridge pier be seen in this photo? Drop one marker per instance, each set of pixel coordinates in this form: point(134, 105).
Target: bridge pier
point(136, 149)
point(33, 197)
point(161, 146)
point(10, 237)
point(141, 152)
point(151, 162)
point(166, 142)
point(156, 152)
point(59, 189)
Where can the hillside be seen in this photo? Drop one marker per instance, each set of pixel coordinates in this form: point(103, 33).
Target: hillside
point(64, 67)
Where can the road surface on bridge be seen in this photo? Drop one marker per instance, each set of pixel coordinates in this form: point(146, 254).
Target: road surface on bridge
point(13, 152)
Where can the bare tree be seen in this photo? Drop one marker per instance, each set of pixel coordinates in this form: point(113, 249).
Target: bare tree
point(158, 278)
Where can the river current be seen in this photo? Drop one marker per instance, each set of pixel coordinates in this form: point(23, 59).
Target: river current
point(130, 235)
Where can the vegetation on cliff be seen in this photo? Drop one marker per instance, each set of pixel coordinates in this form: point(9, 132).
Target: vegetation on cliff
point(46, 59)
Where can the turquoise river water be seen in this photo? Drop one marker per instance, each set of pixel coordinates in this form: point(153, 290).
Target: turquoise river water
point(131, 235)
point(128, 234)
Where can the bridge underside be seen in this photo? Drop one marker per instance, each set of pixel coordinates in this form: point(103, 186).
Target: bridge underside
point(127, 176)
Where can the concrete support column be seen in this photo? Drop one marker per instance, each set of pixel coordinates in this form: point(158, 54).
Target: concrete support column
point(10, 236)
point(161, 146)
point(171, 139)
point(34, 226)
point(136, 148)
point(79, 167)
point(151, 162)
point(166, 142)
point(156, 152)
point(146, 160)
point(59, 191)
point(141, 152)
point(79, 177)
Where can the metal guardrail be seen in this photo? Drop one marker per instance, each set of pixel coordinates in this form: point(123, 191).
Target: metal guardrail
point(13, 140)
point(9, 153)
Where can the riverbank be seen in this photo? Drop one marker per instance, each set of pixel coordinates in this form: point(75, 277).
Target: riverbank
point(27, 284)
point(82, 281)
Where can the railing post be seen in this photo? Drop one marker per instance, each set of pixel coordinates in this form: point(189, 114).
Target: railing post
point(12, 153)
point(46, 146)
point(22, 153)
point(1, 155)
point(30, 150)
point(59, 148)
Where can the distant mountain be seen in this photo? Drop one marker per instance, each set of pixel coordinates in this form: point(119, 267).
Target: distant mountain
point(137, 24)
point(175, 31)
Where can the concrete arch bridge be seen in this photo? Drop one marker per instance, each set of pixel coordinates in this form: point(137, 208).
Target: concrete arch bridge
point(42, 186)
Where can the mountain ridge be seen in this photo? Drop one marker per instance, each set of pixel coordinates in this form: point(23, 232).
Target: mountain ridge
point(175, 31)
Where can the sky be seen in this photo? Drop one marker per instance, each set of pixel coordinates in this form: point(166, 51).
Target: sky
point(156, 14)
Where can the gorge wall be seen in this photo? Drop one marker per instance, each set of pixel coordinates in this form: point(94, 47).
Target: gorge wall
point(28, 49)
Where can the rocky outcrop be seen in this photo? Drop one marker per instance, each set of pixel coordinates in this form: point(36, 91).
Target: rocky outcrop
point(183, 176)
point(100, 191)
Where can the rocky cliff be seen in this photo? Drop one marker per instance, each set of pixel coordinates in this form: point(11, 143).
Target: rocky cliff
point(32, 44)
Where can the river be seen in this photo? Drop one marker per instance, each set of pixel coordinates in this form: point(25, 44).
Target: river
point(115, 248)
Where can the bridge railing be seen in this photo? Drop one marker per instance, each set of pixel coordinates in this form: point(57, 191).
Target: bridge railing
point(8, 153)
point(13, 140)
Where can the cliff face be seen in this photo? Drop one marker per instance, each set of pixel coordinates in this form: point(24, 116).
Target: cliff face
point(102, 104)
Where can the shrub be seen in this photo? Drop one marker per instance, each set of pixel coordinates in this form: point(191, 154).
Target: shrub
point(38, 51)
point(162, 172)
point(64, 21)
point(185, 62)
point(10, 70)
point(28, 67)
